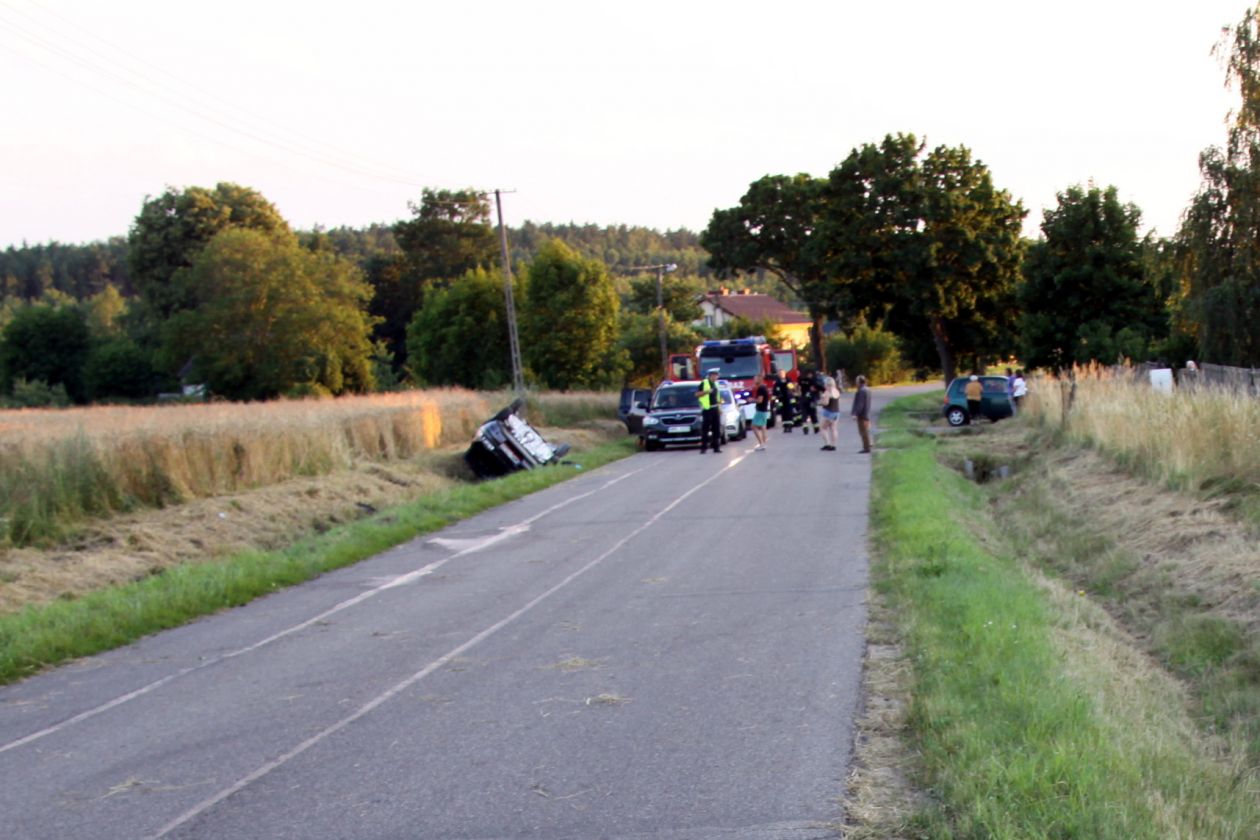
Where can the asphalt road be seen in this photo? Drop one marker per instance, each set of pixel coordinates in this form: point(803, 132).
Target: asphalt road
point(668, 647)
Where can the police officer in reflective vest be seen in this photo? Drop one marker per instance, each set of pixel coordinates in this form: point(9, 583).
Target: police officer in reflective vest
point(710, 412)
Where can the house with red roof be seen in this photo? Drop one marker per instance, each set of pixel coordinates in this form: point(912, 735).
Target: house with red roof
point(718, 307)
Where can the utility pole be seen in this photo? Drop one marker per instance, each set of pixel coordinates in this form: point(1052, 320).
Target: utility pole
point(518, 377)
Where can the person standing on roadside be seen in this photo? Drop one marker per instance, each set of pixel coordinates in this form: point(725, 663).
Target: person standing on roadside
point(861, 412)
point(829, 410)
point(761, 413)
point(710, 412)
point(975, 395)
point(1019, 390)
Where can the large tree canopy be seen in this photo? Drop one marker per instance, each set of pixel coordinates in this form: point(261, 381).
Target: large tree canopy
point(925, 242)
point(569, 324)
point(1085, 295)
point(772, 229)
point(171, 230)
point(272, 318)
point(1219, 239)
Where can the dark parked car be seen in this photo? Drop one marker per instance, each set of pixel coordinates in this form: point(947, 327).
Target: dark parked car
point(506, 443)
point(995, 404)
point(673, 416)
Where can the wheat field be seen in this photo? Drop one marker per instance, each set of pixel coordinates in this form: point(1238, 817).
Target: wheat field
point(59, 465)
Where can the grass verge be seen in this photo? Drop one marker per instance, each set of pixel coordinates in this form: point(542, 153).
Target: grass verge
point(1030, 716)
point(41, 636)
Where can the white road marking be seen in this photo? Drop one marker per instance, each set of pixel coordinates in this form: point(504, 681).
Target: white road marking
point(454, 653)
point(390, 583)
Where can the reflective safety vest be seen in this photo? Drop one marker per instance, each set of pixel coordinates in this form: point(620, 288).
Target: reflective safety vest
point(708, 394)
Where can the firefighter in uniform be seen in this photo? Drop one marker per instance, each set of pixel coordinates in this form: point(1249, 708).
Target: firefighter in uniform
point(710, 412)
point(807, 400)
point(785, 395)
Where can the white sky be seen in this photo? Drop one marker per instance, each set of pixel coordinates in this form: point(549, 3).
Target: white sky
point(640, 112)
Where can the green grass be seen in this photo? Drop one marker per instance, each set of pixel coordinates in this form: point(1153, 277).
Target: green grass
point(40, 636)
point(1012, 742)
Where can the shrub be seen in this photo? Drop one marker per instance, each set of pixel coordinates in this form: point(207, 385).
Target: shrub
point(867, 351)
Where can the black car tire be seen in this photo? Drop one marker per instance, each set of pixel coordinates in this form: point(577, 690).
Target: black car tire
point(652, 445)
point(956, 416)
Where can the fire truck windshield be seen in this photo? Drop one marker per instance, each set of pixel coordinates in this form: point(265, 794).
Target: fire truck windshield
point(731, 367)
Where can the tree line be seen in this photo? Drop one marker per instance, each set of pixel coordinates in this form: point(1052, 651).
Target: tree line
point(221, 292)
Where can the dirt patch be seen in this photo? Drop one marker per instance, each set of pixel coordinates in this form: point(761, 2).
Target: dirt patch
point(133, 546)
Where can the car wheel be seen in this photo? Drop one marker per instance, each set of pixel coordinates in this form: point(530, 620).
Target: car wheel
point(651, 445)
point(956, 416)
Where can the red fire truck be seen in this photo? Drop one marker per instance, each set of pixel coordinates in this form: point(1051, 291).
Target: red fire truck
point(738, 360)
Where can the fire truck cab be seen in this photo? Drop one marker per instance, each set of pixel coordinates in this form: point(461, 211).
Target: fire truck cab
point(738, 360)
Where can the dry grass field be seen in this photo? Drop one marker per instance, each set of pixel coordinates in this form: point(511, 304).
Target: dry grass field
point(1203, 439)
point(111, 495)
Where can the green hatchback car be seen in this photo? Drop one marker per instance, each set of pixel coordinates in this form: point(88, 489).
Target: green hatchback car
point(995, 404)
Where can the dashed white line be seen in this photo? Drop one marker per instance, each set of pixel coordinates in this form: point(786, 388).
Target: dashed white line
point(399, 580)
point(377, 701)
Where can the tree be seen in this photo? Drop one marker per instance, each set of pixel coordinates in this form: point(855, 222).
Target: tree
point(272, 318)
point(570, 321)
point(924, 242)
point(119, 367)
point(48, 344)
point(448, 235)
point(1219, 238)
point(639, 339)
point(173, 228)
point(772, 229)
point(460, 336)
point(1085, 296)
point(680, 296)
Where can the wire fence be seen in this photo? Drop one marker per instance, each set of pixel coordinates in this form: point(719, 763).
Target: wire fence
point(1238, 379)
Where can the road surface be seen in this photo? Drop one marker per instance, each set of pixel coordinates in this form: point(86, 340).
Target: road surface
point(668, 647)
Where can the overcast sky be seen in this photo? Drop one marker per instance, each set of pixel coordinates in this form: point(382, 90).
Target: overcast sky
point(643, 113)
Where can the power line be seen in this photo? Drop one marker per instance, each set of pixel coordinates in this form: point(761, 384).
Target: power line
point(127, 79)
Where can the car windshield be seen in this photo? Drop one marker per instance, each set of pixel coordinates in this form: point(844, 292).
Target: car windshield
point(727, 396)
point(731, 367)
point(676, 396)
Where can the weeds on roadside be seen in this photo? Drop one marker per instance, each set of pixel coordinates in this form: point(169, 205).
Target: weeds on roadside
point(1025, 729)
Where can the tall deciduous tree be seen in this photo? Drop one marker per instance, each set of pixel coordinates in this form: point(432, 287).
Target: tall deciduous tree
point(460, 337)
point(45, 343)
point(772, 229)
point(1085, 296)
point(926, 242)
point(272, 318)
point(448, 235)
point(570, 321)
point(173, 228)
point(1219, 239)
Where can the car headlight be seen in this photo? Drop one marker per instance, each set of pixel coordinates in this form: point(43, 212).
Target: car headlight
point(651, 421)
